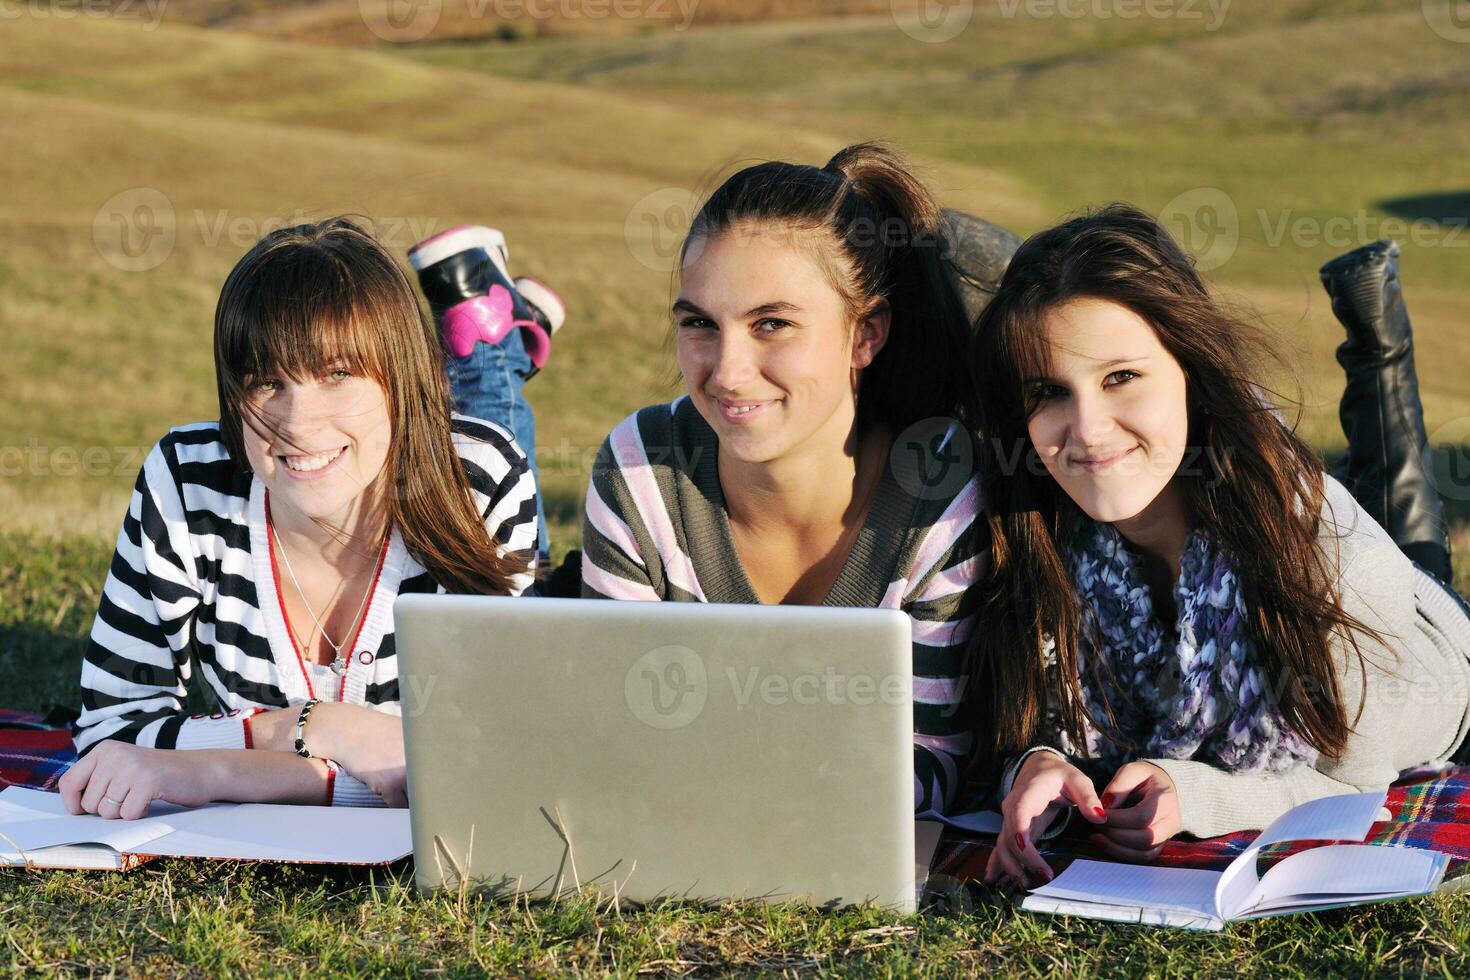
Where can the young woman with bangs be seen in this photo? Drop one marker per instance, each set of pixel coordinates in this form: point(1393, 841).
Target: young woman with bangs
point(261, 553)
point(1191, 627)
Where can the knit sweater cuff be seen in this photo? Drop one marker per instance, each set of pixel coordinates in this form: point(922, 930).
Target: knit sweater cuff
point(348, 790)
point(221, 730)
point(1213, 802)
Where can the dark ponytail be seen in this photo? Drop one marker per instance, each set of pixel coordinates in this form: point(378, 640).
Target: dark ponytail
point(880, 237)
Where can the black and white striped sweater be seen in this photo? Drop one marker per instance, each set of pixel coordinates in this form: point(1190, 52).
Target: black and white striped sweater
point(192, 588)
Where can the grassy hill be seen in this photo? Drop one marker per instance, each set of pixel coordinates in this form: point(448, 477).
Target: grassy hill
point(369, 22)
point(1293, 113)
point(234, 132)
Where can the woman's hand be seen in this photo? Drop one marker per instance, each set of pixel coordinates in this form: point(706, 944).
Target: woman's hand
point(118, 779)
point(367, 743)
point(1045, 781)
point(1143, 812)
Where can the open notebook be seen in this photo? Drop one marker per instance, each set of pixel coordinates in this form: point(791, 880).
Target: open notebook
point(1320, 878)
point(37, 831)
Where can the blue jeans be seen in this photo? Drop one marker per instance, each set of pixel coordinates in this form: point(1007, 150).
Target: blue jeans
point(486, 384)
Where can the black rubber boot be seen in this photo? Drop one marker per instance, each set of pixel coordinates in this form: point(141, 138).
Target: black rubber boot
point(1387, 466)
point(976, 255)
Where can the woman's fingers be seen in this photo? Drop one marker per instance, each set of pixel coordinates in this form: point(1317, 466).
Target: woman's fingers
point(1132, 817)
point(1125, 782)
point(73, 782)
point(992, 867)
point(1000, 867)
point(111, 775)
point(1031, 859)
point(1141, 839)
point(1118, 851)
point(135, 804)
point(1002, 862)
point(1141, 814)
point(1039, 825)
point(93, 799)
point(1077, 789)
point(1009, 864)
point(1137, 832)
point(1007, 860)
point(1017, 854)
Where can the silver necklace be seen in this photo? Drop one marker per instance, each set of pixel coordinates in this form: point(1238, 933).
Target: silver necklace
point(339, 663)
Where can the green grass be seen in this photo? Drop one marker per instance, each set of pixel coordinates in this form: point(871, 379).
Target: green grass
point(180, 917)
point(1303, 110)
point(175, 917)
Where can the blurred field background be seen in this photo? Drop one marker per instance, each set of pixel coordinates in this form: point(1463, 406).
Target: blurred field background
point(144, 158)
point(146, 148)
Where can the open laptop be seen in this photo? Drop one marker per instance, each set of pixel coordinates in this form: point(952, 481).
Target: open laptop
point(660, 750)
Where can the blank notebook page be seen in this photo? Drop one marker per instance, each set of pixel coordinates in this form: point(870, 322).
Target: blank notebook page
point(1340, 871)
point(1184, 889)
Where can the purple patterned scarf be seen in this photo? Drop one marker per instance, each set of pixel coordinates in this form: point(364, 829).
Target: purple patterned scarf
point(1200, 695)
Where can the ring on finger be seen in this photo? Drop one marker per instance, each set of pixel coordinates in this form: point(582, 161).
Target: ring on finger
point(116, 803)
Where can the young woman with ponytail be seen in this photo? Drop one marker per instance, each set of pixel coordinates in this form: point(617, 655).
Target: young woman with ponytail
point(1190, 626)
point(820, 456)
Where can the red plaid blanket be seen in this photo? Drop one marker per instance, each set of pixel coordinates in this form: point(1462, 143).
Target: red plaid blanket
point(31, 753)
point(1432, 812)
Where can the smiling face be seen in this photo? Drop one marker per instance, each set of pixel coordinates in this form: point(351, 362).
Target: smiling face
point(1111, 420)
point(318, 443)
point(767, 346)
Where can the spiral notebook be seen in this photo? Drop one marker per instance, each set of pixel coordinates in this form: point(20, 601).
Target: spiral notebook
point(1331, 876)
point(37, 831)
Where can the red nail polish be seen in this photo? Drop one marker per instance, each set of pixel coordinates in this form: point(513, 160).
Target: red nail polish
point(1101, 813)
point(1020, 840)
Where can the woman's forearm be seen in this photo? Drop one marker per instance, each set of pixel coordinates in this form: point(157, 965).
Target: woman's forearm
point(243, 776)
point(275, 730)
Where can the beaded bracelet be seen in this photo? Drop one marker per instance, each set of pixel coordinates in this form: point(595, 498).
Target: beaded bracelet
point(301, 749)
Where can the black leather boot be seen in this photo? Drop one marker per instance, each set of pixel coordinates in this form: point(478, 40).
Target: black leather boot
point(976, 255)
point(1387, 467)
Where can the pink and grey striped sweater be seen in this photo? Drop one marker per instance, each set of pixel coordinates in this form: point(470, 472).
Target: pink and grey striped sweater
point(656, 529)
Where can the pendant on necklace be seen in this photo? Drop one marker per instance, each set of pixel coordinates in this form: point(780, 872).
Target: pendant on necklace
point(339, 665)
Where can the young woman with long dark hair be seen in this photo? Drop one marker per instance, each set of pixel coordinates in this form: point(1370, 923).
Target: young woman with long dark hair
point(1184, 608)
